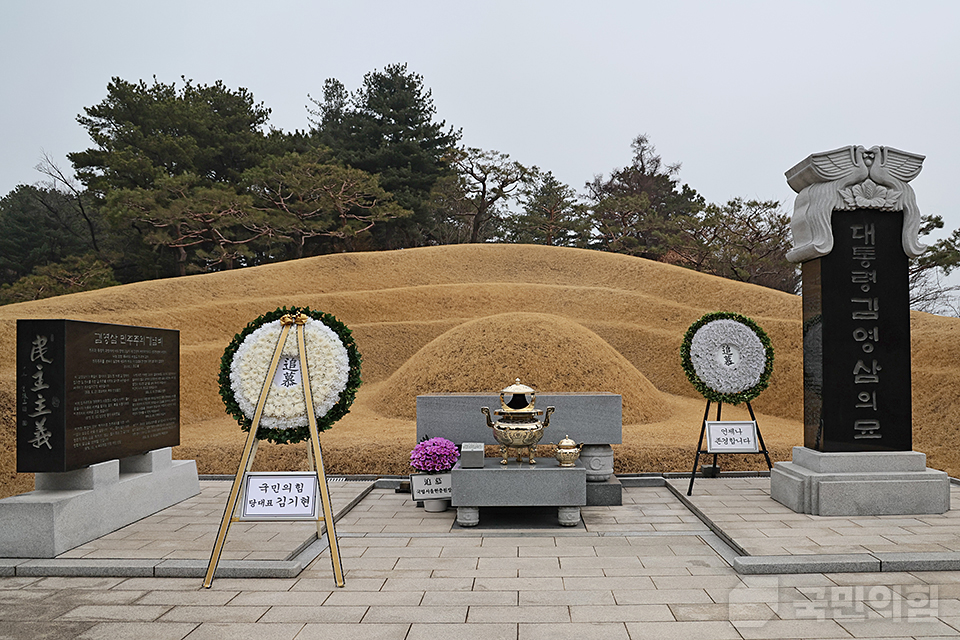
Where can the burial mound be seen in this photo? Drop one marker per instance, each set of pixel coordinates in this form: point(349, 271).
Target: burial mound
point(549, 353)
point(401, 303)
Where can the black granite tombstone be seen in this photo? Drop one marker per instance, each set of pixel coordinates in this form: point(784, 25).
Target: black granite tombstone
point(856, 338)
point(90, 392)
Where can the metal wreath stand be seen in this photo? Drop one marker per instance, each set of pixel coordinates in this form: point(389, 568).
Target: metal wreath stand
point(249, 451)
point(700, 449)
point(707, 390)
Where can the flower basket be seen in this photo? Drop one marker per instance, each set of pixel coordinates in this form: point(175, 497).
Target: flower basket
point(433, 457)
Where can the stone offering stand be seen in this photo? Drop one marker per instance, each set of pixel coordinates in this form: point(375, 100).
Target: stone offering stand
point(595, 419)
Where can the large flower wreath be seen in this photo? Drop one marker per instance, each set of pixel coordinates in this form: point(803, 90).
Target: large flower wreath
point(727, 357)
point(334, 369)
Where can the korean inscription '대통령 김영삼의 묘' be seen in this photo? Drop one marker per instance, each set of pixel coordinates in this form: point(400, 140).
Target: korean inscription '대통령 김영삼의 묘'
point(855, 224)
point(857, 339)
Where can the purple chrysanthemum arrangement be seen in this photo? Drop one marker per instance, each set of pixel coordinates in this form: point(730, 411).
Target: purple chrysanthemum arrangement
point(435, 454)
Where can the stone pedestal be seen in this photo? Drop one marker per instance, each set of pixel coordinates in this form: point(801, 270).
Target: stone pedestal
point(598, 461)
point(73, 508)
point(608, 493)
point(545, 484)
point(859, 483)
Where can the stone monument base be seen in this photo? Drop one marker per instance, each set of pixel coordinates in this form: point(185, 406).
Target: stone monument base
point(859, 484)
point(73, 508)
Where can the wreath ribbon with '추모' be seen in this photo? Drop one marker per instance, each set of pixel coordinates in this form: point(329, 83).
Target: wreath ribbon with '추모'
point(727, 357)
point(333, 364)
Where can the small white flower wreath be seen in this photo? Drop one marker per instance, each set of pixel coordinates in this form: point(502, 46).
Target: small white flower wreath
point(334, 370)
point(727, 357)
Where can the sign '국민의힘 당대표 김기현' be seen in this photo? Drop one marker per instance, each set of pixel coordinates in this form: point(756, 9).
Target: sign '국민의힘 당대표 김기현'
point(89, 392)
point(279, 495)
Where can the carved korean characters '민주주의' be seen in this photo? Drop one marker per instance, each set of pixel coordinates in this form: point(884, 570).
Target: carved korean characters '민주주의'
point(852, 178)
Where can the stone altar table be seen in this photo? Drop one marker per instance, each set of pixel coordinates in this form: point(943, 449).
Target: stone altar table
point(595, 419)
point(545, 484)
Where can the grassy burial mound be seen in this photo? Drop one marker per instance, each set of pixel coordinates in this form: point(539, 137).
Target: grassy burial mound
point(472, 318)
point(545, 351)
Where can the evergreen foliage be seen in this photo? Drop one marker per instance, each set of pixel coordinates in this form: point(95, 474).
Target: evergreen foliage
point(191, 178)
point(640, 209)
point(387, 128)
point(552, 214)
point(36, 229)
point(143, 133)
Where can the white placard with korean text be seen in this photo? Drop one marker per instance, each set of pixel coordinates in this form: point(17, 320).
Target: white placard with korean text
point(279, 496)
point(431, 486)
point(731, 436)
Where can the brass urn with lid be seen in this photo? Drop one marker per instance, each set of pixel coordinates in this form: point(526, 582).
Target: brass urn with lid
point(567, 452)
point(518, 426)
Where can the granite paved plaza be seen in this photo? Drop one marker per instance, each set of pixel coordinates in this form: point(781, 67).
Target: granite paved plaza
point(189, 529)
point(742, 507)
point(647, 569)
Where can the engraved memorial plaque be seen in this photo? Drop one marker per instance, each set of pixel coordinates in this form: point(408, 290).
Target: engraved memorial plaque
point(90, 392)
point(855, 226)
point(856, 326)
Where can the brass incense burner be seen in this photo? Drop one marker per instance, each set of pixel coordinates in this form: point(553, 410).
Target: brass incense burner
point(567, 452)
point(518, 427)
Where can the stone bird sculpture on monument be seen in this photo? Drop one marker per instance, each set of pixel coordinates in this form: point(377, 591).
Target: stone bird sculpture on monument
point(848, 178)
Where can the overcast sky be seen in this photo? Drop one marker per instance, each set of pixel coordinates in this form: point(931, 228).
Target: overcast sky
point(738, 92)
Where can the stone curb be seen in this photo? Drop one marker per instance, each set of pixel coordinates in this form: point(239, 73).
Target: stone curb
point(851, 563)
point(720, 533)
point(746, 564)
point(814, 563)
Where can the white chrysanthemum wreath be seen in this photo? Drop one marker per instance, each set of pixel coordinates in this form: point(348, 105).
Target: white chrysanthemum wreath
point(727, 357)
point(334, 369)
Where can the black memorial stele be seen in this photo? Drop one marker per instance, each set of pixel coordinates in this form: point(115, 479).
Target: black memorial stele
point(855, 227)
point(90, 392)
point(856, 338)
